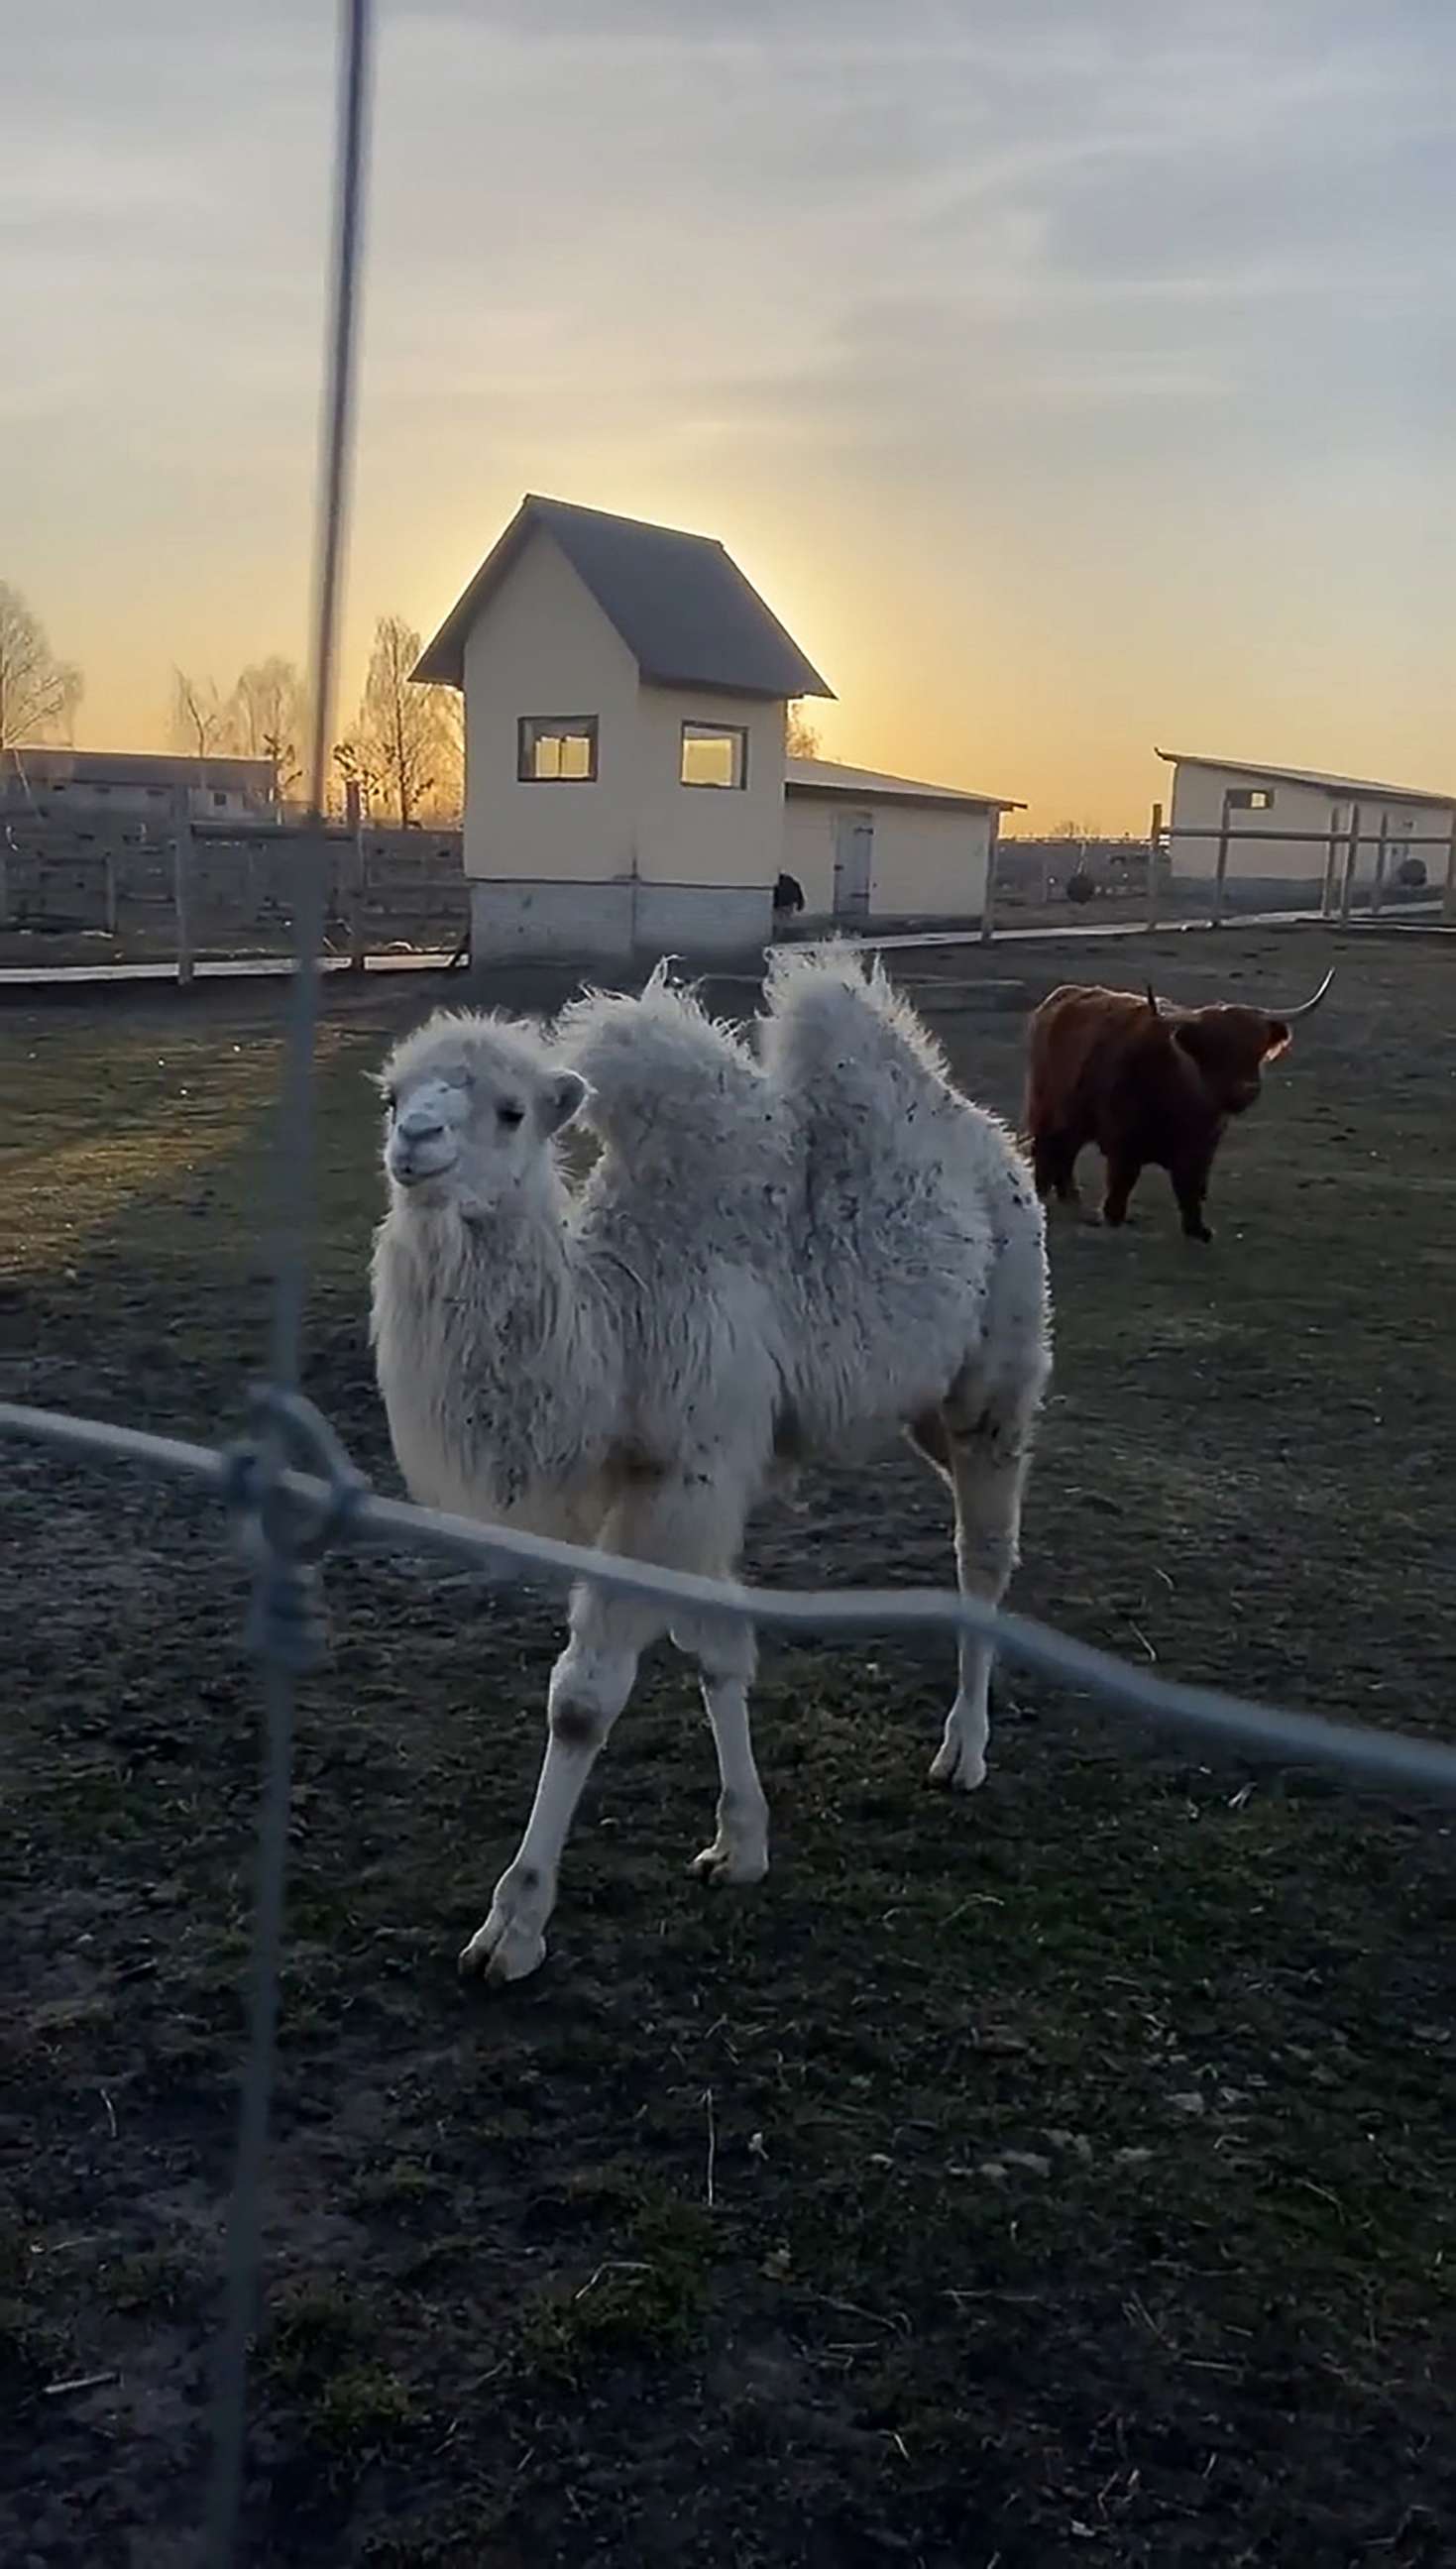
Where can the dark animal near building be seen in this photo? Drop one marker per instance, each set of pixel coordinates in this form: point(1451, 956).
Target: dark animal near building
point(1148, 1084)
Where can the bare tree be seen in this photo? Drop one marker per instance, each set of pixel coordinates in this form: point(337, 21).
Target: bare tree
point(450, 793)
point(354, 775)
point(38, 694)
point(401, 748)
point(801, 740)
point(266, 716)
point(199, 715)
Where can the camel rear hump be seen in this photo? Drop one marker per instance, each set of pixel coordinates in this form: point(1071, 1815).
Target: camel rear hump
point(836, 1034)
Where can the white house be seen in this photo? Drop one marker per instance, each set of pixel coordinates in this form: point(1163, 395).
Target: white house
point(1254, 802)
point(866, 846)
point(627, 789)
point(92, 785)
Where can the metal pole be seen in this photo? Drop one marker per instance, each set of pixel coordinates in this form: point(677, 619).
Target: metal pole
point(1448, 903)
point(1155, 834)
point(279, 1558)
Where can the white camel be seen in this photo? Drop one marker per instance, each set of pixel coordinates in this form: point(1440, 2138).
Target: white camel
point(778, 1256)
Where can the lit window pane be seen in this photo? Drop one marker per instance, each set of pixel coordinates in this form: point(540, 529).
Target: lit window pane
point(557, 749)
point(713, 757)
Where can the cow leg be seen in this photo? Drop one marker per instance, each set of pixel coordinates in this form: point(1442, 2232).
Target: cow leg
point(1053, 1166)
point(1190, 1185)
point(1122, 1176)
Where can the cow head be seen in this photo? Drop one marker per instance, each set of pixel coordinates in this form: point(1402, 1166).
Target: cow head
point(1228, 1046)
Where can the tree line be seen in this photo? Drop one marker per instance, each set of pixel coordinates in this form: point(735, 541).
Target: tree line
point(404, 752)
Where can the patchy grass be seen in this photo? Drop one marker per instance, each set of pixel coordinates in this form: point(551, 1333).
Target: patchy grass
point(1081, 2158)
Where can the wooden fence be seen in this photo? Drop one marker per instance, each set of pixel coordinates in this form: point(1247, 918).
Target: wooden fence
point(225, 888)
point(229, 889)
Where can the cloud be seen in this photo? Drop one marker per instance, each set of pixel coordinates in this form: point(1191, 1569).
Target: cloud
point(932, 282)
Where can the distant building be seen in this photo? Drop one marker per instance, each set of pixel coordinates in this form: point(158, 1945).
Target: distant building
point(627, 781)
point(91, 785)
point(1258, 801)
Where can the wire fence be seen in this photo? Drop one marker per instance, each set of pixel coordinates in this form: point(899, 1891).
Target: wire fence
point(292, 1491)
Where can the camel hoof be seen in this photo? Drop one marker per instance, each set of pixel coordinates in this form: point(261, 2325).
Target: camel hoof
point(729, 1864)
point(959, 1773)
point(499, 1952)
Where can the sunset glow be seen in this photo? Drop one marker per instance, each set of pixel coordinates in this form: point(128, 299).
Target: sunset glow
point(1066, 377)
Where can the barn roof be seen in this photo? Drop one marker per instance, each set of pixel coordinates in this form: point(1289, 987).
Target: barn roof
point(868, 785)
point(1311, 775)
point(680, 603)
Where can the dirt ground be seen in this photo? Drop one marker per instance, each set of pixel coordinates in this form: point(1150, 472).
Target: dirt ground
point(1065, 2177)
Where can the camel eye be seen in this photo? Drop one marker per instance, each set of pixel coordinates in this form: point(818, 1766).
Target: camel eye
point(511, 1116)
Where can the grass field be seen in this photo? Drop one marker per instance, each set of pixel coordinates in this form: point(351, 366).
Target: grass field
point(1082, 2158)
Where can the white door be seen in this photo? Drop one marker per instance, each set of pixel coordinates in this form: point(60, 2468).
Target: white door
point(854, 865)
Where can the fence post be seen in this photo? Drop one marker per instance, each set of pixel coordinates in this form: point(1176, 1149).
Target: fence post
point(1383, 850)
point(1448, 902)
point(357, 862)
point(1331, 866)
point(1352, 859)
point(5, 879)
point(108, 892)
point(181, 883)
point(1155, 833)
point(352, 868)
point(1221, 862)
point(988, 902)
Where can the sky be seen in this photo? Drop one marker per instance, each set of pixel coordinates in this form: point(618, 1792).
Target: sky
point(1072, 376)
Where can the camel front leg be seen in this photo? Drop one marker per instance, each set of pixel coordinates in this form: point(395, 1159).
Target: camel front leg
point(591, 1683)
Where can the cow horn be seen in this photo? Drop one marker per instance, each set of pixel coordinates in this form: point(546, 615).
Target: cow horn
point(1305, 1007)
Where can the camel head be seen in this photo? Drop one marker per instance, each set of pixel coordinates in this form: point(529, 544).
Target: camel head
point(472, 1106)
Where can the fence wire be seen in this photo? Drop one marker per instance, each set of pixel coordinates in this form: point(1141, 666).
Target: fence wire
point(333, 1494)
point(292, 1488)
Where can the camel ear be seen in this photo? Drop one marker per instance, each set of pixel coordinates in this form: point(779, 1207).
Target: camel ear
point(564, 1095)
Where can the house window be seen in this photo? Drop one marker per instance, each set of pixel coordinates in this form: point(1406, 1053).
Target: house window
point(219, 802)
point(557, 749)
point(714, 755)
point(1249, 798)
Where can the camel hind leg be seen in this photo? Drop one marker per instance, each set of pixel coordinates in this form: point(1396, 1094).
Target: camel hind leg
point(725, 1653)
point(980, 1440)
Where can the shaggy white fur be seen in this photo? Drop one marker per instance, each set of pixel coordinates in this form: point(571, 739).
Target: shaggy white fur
point(790, 1253)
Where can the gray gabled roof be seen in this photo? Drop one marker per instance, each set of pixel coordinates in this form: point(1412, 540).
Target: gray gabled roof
point(681, 605)
point(1316, 775)
point(870, 785)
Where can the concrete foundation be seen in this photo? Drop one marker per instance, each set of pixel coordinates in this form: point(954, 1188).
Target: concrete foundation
point(616, 922)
